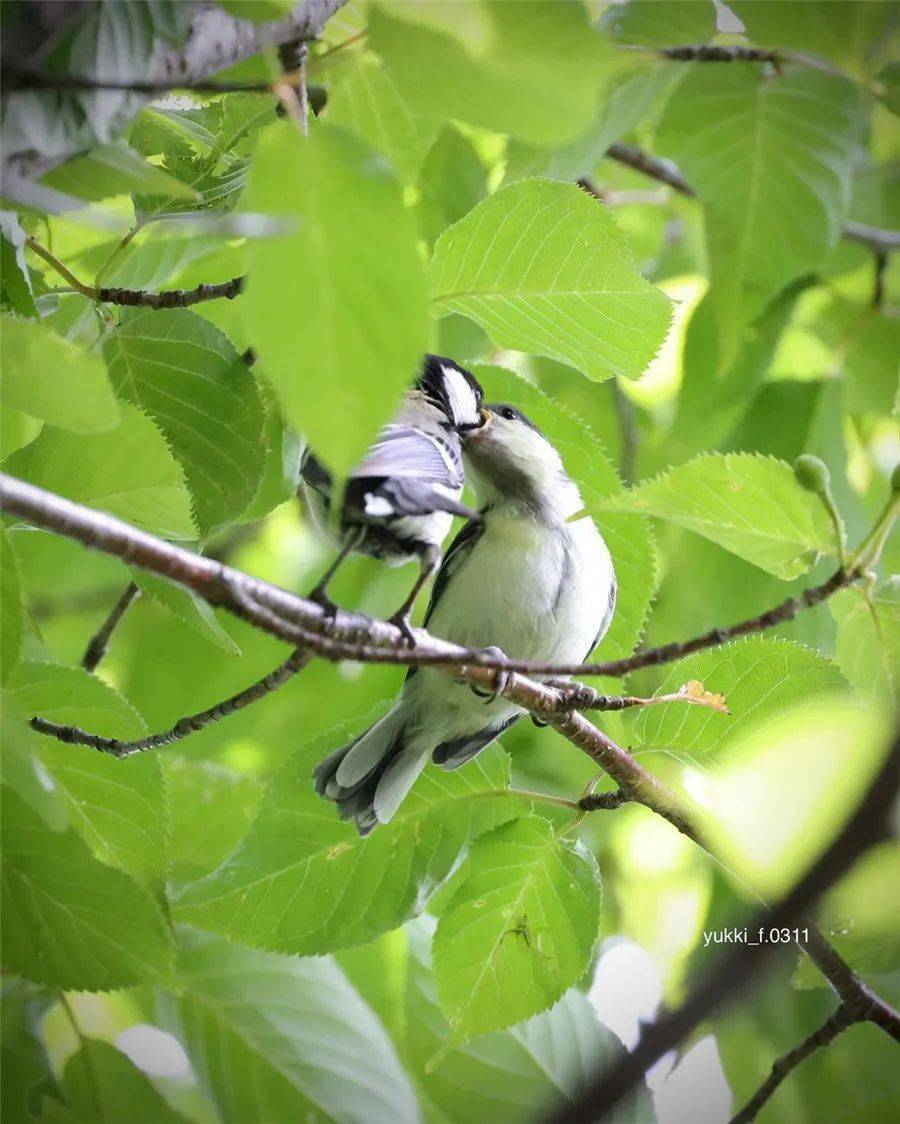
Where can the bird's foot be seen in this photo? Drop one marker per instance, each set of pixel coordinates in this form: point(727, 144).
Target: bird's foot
point(501, 679)
point(573, 696)
point(400, 620)
point(321, 598)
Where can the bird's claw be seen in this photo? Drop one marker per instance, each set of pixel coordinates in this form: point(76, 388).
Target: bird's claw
point(573, 696)
point(502, 679)
point(400, 621)
point(321, 598)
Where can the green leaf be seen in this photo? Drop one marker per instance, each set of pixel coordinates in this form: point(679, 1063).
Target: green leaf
point(11, 613)
point(336, 309)
point(210, 809)
point(519, 931)
point(367, 103)
point(747, 504)
point(453, 180)
point(870, 366)
point(861, 915)
point(760, 679)
point(69, 921)
point(114, 169)
point(844, 32)
point(128, 471)
point(543, 268)
point(770, 160)
point(118, 807)
point(185, 374)
point(187, 606)
point(259, 11)
point(354, 889)
point(509, 1075)
point(104, 1086)
point(478, 63)
point(868, 638)
point(277, 1038)
point(628, 537)
point(52, 379)
point(660, 23)
point(770, 829)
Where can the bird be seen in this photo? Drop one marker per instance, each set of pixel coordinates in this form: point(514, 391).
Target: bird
point(531, 576)
point(400, 500)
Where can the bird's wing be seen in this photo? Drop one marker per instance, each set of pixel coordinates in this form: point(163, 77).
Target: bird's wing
point(457, 552)
point(405, 451)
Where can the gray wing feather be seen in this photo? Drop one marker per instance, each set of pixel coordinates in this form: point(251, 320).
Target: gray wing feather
point(403, 451)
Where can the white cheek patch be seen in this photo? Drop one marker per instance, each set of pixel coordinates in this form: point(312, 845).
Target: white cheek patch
point(378, 506)
point(460, 396)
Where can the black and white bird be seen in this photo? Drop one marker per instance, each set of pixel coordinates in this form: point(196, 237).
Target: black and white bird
point(399, 502)
point(522, 578)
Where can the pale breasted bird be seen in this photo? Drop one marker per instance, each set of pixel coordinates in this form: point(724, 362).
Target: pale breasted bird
point(525, 577)
point(400, 500)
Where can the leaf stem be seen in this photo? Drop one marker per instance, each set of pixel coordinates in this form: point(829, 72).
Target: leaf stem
point(62, 270)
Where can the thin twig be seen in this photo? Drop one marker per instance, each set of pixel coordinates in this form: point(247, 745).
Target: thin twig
point(74, 735)
point(707, 52)
point(829, 1030)
point(171, 298)
point(61, 269)
point(868, 825)
point(878, 239)
point(99, 642)
point(303, 624)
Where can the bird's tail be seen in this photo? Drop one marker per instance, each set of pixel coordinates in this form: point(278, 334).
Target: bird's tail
point(369, 778)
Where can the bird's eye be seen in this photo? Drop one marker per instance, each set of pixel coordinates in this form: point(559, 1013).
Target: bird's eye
point(507, 413)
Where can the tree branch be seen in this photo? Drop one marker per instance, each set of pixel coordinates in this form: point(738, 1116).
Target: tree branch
point(171, 298)
point(706, 52)
point(73, 735)
point(869, 824)
point(829, 1030)
point(879, 240)
point(99, 642)
point(303, 624)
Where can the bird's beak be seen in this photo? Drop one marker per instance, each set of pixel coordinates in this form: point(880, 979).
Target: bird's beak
point(479, 428)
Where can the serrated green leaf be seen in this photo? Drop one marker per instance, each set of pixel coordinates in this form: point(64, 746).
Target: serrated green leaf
point(747, 504)
point(543, 268)
point(519, 931)
point(277, 1038)
point(510, 1074)
point(210, 809)
point(337, 309)
point(868, 638)
point(117, 807)
point(185, 374)
point(759, 677)
point(774, 181)
point(368, 103)
point(106, 1087)
point(477, 63)
point(355, 889)
point(187, 606)
point(52, 379)
point(128, 471)
point(757, 817)
point(11, 614)
point(628, 537)
point(68, 920)
point(114, 169)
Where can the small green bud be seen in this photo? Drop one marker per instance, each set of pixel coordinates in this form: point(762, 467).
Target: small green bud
point(812, 474)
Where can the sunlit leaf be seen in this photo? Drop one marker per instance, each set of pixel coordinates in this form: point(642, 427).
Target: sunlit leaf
point(105, 1086)
point(868, 638)
point(11, 615)
point(128, 471)
point(519, 930)
point(337, 308)
point(543, 268)
point(52, 379)
point(114, 169)
point(747, 504)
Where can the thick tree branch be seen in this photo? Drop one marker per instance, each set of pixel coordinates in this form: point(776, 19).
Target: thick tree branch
point(879, 240)
point(72, 735)
point(99, 642)
point(829, 1030)
point(303, 624)
point(171, 298)
point(869, 824)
